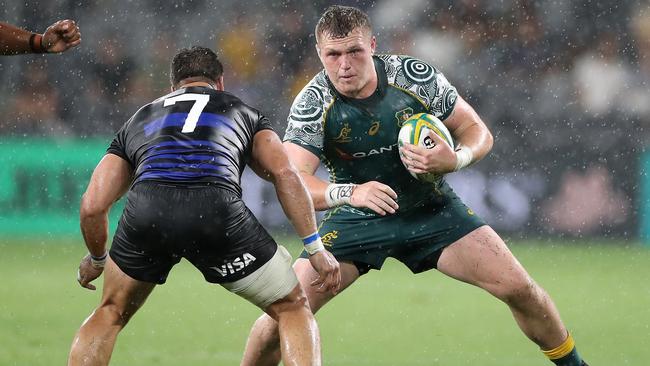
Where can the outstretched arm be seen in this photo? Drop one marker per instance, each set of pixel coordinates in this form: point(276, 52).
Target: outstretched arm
point(270, 161)
point(58, 37)
point(109, 182)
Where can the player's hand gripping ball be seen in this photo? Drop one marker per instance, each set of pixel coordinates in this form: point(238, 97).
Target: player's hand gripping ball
point(415, 131)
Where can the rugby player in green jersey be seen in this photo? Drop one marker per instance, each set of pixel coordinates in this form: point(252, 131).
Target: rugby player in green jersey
point(348, 116)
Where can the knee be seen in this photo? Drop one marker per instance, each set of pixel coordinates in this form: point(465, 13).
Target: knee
point(519, 292)
point(112, 315)
point(296, 301)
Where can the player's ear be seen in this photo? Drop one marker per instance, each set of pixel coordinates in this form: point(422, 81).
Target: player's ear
point(219, 83)
point(373, 44)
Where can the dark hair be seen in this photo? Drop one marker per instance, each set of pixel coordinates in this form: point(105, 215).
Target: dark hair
point(338, 21)
point(198, 62)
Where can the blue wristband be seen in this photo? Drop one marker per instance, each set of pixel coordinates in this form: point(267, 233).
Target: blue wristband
point(313, 243)
point(311, 238)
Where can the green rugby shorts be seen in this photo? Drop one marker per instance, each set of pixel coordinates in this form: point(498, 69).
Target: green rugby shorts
point(415, 237)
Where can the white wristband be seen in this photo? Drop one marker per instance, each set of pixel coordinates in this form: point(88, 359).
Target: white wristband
point(98, 262)
point(313, 243)
point(338, 194)
point(464, 158)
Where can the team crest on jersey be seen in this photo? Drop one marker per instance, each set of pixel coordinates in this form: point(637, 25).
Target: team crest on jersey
point(403, 115)
point(374, 128)
point(344, 135)
point(329, 237)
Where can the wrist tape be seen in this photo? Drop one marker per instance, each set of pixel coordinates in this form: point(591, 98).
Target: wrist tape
point(338, 194)
point(464, 158)
point(313, 243)
point(36, 43)
point(98, 262)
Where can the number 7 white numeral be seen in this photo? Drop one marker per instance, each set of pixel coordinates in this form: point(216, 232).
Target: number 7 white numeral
point(200, 101)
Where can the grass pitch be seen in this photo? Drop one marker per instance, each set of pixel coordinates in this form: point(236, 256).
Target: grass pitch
point(389, 317)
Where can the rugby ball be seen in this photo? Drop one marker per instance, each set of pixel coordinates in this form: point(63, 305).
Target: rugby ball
point(415, 131)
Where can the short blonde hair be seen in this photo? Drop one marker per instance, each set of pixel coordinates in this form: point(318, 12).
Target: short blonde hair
point(338, 21)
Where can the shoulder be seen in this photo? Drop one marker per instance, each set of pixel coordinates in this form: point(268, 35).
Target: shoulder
point(225, 98)
point(423, 80)
point(307, 115)
point(313, 100)
point(405, 70)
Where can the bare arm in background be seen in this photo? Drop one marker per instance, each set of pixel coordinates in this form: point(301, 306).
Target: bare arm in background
point(58, 37)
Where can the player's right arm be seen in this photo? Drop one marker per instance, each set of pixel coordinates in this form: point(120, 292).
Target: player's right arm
point(373, 195)
point(110, 180)
point(58, 37)
point(270, 161)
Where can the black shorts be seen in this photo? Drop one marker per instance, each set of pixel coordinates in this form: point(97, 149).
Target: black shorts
point(209, 226)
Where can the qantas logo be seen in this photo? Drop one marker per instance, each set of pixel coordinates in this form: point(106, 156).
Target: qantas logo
point(236, 265)
point(363, 154)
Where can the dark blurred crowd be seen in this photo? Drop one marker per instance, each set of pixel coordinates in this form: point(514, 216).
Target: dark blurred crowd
point(561, 83)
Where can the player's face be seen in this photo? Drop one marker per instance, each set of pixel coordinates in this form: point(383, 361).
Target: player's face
point(348, 62)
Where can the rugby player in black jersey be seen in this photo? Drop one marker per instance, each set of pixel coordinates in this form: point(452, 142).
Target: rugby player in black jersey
point(180, 159)
point(348, 117)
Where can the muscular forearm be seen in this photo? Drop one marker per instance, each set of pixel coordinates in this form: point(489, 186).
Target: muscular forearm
point(296, 202)
point(476, 138)
point(470, 133)
point(94, 229)
point(14, 40)
point(316, 187)
point(93, 219)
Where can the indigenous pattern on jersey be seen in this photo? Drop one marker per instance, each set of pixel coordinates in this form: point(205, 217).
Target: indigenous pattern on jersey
point(357, 138)
point(193, 135)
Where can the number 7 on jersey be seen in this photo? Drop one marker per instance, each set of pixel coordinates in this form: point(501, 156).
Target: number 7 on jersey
point(200, 101)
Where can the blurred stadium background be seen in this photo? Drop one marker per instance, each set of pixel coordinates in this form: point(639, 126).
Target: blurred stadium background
point(563, 85)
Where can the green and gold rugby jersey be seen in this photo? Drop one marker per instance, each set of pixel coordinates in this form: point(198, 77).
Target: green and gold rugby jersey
point(356, 139)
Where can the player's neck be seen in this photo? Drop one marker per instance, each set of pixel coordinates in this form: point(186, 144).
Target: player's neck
point(368, 89)
point(198, 83)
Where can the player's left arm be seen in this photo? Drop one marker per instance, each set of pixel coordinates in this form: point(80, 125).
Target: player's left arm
point(473, 138)
point(109, 182)
point(473, 141)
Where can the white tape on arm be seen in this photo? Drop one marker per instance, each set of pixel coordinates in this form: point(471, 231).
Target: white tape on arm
point(464, 158)
point(313, 243)
point(338, 194)
point(98, 262)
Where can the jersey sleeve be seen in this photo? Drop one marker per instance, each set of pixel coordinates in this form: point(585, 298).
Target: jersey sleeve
point(263, 123)
point(118, 145)
point(423, 81)
point(305, 121)
point(443, 96)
